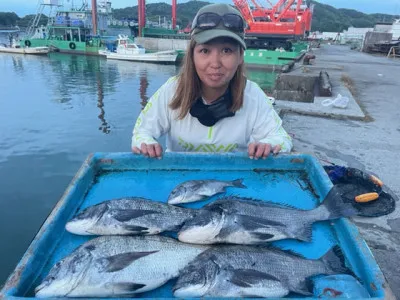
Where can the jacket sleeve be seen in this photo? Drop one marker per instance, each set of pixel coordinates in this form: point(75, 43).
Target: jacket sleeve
point(154, 119)
point(268, 125)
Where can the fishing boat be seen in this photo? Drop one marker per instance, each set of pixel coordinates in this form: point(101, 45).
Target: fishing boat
point(24, 50)
point(69, 29)
point(126, 49)
point(14, 47)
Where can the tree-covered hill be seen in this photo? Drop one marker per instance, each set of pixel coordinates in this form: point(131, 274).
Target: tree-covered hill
point(325, 18)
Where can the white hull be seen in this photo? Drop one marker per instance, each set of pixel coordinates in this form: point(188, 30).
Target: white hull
point(33, 50)
point(165, 56)
point(127, 50)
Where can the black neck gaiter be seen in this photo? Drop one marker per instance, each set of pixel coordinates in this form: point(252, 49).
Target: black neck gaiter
point(209, 115)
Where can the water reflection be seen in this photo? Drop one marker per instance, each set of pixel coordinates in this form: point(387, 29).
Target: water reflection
point(143, 89)
point(79, 74)
point(104, 127)
point(18, 64)
point(148, 74)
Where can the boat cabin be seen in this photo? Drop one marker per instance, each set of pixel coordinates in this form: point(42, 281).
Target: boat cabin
point(126, 46)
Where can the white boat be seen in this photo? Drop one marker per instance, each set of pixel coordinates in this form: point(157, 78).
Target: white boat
point(24, 50)
point(127, 50)
point(16, 48)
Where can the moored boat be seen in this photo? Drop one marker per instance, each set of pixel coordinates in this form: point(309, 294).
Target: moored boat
point(14, 47)
point(69, 30)
point(24, 50)
point(126, 49)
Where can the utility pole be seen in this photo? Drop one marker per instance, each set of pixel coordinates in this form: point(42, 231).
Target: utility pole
point(94, 16)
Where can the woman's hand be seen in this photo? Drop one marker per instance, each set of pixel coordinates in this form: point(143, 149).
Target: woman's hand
point(258, 150)
point(149, 150)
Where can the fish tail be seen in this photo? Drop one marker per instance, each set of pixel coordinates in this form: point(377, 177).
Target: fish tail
point(239, 183)
point(336, 207)
point(335, 261)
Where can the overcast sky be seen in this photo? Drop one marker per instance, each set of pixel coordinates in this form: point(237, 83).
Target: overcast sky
point(23, 7)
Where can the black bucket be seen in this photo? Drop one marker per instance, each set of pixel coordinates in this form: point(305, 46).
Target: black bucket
point(351, 182)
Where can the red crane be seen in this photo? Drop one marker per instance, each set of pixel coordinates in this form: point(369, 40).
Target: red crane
point(173, 14)
point(274, 26)
point(142, 15)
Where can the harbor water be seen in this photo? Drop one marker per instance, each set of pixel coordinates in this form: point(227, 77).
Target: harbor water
point(54, 111)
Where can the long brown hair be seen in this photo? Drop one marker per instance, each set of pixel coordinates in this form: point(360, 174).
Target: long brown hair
point(189, 86)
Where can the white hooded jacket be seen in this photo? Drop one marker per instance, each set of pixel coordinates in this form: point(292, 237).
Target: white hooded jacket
point(256, 121)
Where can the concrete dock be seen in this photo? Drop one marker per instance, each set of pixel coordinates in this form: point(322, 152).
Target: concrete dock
point(365, 135)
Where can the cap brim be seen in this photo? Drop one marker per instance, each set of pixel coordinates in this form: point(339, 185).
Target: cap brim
point(208, 35)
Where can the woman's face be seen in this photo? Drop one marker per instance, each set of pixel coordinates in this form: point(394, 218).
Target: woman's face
point(217, 62)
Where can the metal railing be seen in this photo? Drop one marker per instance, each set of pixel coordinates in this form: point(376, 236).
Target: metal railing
point(394, 52)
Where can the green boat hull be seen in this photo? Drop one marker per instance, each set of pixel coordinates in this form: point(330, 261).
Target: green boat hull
point(73, 47)
point(276, 60)
point(267, 59)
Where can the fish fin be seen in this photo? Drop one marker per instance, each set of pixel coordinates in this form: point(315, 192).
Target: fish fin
point(198, 191)
point(198, 184)
point(337, 208)
point(238, 183)
point(127, 286)
point(133, 229)
point(255, 202)
point(304, 233)
point(200, 196)
point(304, 287)
point(335, 261)
point(250, 277)
point(120, 261)
point(134, 199)
point(124, 215)
point(272, 248)
point(252, 223)
point(262, 236)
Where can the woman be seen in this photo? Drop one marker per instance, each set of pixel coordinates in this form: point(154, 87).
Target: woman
point(211, 106)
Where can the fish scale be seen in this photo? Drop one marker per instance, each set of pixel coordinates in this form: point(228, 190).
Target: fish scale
point(235, 271)
point(238, 220)
point(127, 216)
point(118, 265)
point(196, 190)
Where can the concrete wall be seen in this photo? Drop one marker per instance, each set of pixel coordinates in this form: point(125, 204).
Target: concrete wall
point(354, 30)
point(396, 30)
point(372, 38)
point(383, 27)
point(355, 33)
point(324, 35)
point(162, 44)
point(297, 88)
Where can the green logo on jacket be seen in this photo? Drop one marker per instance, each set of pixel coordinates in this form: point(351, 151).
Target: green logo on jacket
point(206, 147)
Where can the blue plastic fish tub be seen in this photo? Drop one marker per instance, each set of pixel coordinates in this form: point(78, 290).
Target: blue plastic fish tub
point(298, 180)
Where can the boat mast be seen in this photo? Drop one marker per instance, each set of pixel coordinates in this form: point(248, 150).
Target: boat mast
point(94, 16)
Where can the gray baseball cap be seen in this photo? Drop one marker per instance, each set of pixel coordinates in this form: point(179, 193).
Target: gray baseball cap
point(202, 36)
